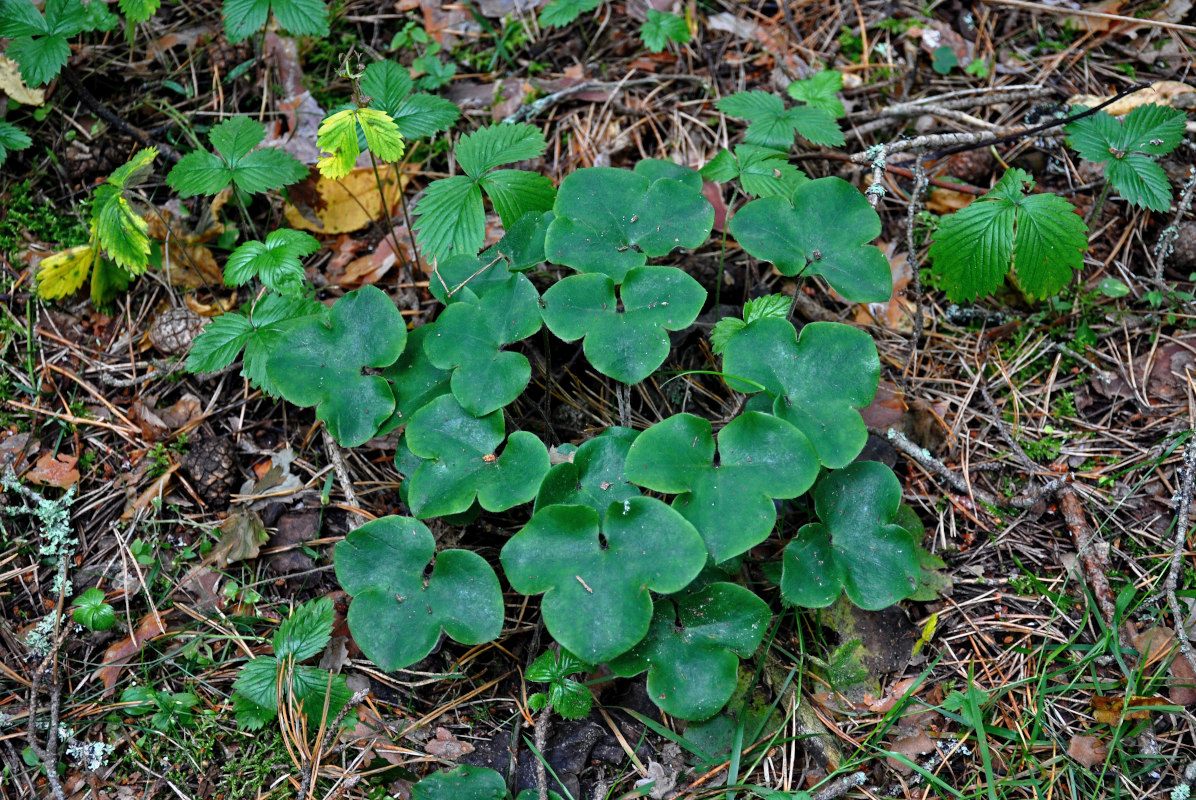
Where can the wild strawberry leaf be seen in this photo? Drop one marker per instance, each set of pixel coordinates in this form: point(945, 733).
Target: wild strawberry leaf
point(596, 574)
point(321, 364)
point(1038, 235)
point(819, 90)
point(761, 458)
point(64, 272)
point(12, 138)
point(237, 162)
point(470, 338)
point(610, 220)
point(461, 461)
point(627, 345)
point(384, 565)
point(595, 477)
point(39, 43)
point(304, 634)
point(276, 261)
point(121, 231)
point(818, 381)
point(1128, 147)
point(824, 230)
point(762, 171)
point(693, 647)
point(857, 548)
point(138, 10)
point(495, 145)
point(300, 17)
point(389, 87)
point(338, 136)
point(770, 124)
point(560, 13)
point(660, 28)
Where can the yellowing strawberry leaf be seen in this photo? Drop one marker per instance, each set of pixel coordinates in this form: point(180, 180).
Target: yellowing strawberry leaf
point(236, 162)
point(1040, 236)
point(384, 564)
point(64, 272)
point(275, 261)
point(338, 136)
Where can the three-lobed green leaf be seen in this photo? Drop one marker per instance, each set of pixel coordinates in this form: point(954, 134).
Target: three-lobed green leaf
point(398, 609)
point(275, 262)
point(773, 125)
point(596, 574)
point(660, 28)
point(243, 18)
point(1128, 148)
point(857, 547)
point(236, 162)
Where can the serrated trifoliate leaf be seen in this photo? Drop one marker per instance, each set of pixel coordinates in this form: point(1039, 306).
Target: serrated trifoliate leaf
point(595, 477)
point(627, 345)
point(461, 461)
point(596, 574)
point(819, 90)
point(824, 230)
point(469, 340)
point(560, 13)
point(219, 343)
point(414, 379)
point(305, 632)
point(21, 18)
point(275, 261)
point(523, 243)
point(760, 458)
point(693, 647)
point(722, 332)
point(762, 171)
point(320, 364)
point(495, 145)
point(773, 305)
point(450, 219)
point(139, 10)
point(1126, 147)
point(611, 220)
point(567, 697)
point(857, 547)
point(338, 136)
point(121, 231)
point(12, 138)
point(424, 114)
point(818, 380)
point(655, 169)
point(386, 84)
point(384, 564)
point(39, 43)
point(474, 783)
point(773, 125)
point(300, 17)
point(515, 192)
point(235, 161)
point(308, 687)
point(660, 28)
point(1039, 235)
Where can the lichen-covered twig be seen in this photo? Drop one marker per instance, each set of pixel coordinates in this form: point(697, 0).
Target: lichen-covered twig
point(1187, 477)
point(1167, 238)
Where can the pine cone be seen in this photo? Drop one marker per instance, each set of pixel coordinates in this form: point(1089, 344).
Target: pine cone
point(973, 166)
point(210, 464)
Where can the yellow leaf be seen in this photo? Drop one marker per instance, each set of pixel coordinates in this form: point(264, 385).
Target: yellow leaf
point(346, 205)
point(63, 273)
point(12, 85)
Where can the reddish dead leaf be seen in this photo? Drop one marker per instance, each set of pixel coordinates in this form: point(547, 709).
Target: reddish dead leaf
point(887, 409)
point(299, 110)
point(1087, 750)
point(121, 654)
point(912, 747)
point(947, 201)
point(373, 267)
point(714, 193)
point(51, 470)
point(447, 746)
point(897, 313)
point(186, 410)
point(1158, 644)
point(16, 449)
point(896, 692)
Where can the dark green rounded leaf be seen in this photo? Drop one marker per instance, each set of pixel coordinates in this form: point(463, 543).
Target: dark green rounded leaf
point(414, 380)
point(693, 648)
point(397, 613)
point(760, 458)
point(90, 610)
point(462, 783)
point(597, 577)
point(627, 345)
point(818, 380)
point(461, 462)
point(824, 231)
point(610, 220)
point(858, 547)
point(320, 364)
point(595, 476)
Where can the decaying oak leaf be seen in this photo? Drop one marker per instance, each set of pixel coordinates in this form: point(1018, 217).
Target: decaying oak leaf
point(345, 205)
point(54, 470)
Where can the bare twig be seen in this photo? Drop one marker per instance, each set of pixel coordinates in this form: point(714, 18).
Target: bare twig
point(1187, 477)
point(333, 450)
point(911, 256)
point(1093, 562)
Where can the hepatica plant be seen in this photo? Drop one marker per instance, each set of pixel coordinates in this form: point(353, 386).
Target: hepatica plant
point(633, 541)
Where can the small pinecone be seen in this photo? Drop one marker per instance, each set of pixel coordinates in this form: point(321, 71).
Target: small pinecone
point(1184, 254)
point(210, 464)
point(973, 166)
point(226, 57)
point(172, 330)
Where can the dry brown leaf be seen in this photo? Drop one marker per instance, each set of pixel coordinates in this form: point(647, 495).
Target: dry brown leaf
point(947, 201)
point(241, 538)
point(346, 205)
point(1097, 24)
point(1109, 709)
point(218, 306)
point(58, 471)
point(155, 490)
point(1087, 750)
point(16, 449)
point(887, 408)
point(447, 746)
point(912, 747)
point(191, 266)
point(1157, 644)
point(371, 268)
point(120, 655)
point(1163, 93)
point(898, 312)
point(12, 85)
point(186, 410)
point(299, 110)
